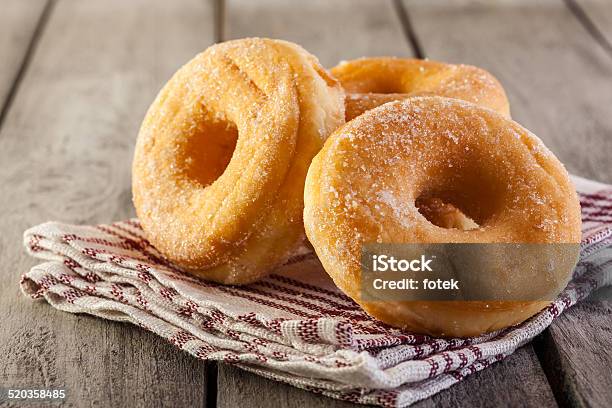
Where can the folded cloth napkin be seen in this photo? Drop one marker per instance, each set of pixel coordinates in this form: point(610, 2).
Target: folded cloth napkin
point(294, 326)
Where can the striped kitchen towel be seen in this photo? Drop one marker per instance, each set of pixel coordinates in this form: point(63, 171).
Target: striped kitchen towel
point(294, 326)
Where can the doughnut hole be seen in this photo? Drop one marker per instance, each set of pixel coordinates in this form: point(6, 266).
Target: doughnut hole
point(463, 199)
point(378, 77)
point(444, 215)
point(206, 152)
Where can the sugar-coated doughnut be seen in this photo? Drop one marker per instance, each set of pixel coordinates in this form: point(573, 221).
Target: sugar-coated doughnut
point(371, 82)
point(363, 189)
point(222, 154)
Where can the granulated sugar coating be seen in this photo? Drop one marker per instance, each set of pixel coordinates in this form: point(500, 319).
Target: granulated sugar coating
point(365, 184)
point(223, 152)
point(371, 82)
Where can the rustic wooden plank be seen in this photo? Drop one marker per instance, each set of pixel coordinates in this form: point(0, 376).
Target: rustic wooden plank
point(576, 355)
point(18, 22)
point(559, 82)
point(332, 30)
point(596, 16)
point(65, 149)
point(239, 388)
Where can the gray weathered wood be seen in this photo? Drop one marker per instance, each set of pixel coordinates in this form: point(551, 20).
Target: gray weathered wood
point(576, 355)
point(18, 22)
point(600, 14)
point(332, 30)
point(559, 80)
point(239, 388)
point(65, 150)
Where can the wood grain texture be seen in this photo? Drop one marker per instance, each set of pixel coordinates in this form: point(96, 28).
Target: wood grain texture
point(600, 14)
point(239, 388)
point(559, 81)
point(576, 355)
point(65, 150)
point(18, 22)
point(332, 30)
point(556, 76)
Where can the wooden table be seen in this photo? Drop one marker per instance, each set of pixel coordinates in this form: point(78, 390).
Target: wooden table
point(76, 77)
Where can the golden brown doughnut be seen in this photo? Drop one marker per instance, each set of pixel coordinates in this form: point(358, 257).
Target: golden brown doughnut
point(222, 154)
point(371, 82)
point(362, 189)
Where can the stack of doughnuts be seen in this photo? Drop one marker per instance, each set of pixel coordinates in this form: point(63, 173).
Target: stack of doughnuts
point(253, 144)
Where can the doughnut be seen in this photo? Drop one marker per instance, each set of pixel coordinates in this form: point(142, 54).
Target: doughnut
point(222, 155)
point(370, 82)
point(429, 151)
